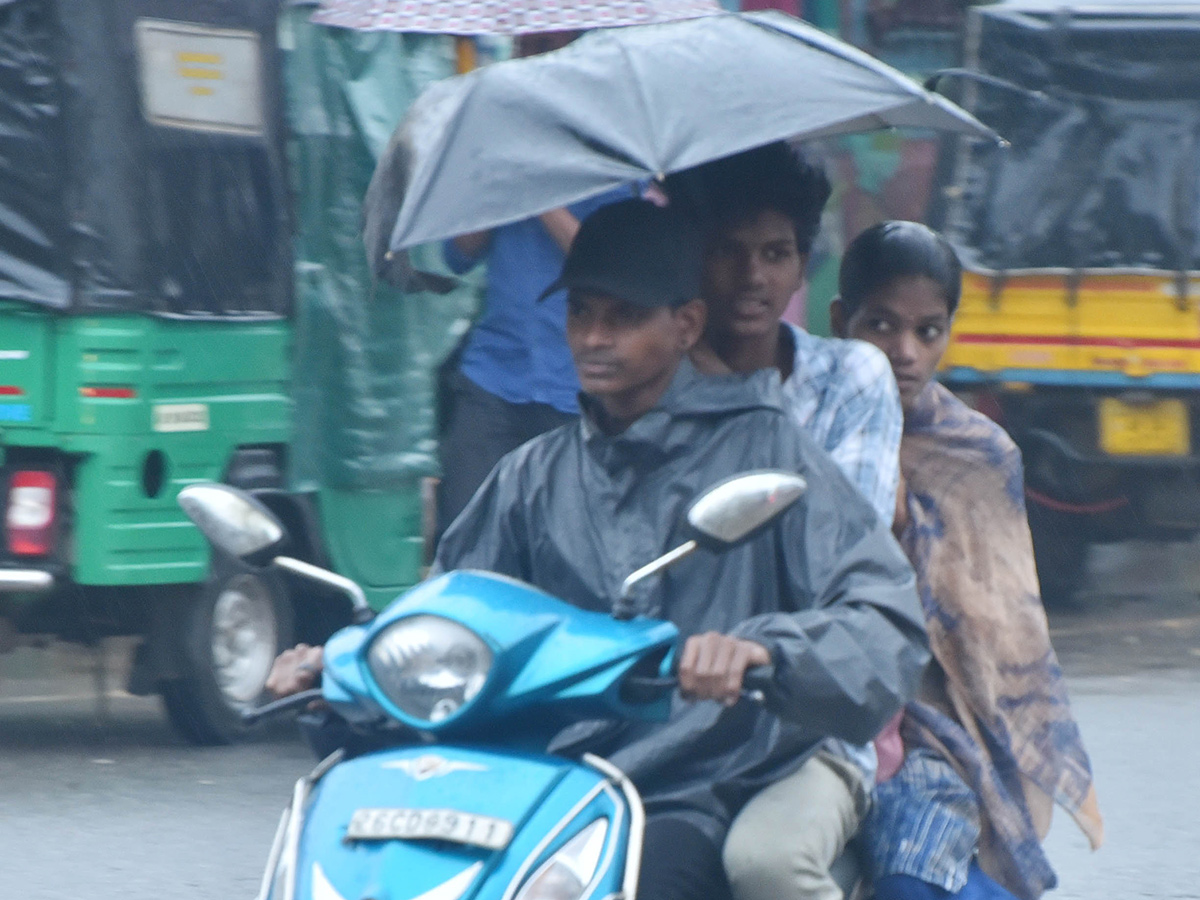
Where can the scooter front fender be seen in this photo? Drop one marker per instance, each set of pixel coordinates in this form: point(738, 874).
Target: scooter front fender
point(547, 801)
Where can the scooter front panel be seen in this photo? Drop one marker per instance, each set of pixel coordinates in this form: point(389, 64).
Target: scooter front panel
point(580, 799)
point(547, 655)
point(546, 800)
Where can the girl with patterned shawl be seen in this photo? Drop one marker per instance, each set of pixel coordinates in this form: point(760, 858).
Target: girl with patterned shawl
point(990, 743)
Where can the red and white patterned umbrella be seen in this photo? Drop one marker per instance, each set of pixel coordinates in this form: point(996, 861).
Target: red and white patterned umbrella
point(504, 16)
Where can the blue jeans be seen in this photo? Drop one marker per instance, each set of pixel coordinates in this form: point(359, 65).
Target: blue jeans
point(904, 887)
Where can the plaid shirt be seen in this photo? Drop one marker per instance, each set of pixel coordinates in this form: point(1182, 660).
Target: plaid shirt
point(924, 823)
point(843, 395)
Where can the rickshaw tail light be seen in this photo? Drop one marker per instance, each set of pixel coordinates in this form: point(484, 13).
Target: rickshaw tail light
point(30, 514)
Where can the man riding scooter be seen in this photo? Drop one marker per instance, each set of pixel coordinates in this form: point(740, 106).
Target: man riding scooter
point(825, 597)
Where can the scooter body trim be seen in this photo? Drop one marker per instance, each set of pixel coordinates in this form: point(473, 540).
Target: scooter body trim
point(549, 800)
point(552, 663)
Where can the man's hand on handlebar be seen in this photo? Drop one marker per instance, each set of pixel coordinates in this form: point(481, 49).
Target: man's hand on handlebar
point(295, 670)
point(712, 666)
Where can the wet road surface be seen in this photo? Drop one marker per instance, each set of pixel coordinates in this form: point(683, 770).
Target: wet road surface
point(120, 808)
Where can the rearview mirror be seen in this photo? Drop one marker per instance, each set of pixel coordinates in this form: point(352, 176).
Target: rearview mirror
point(733, 510)
point(727, 513)
point(232, 519)
point(245, 528)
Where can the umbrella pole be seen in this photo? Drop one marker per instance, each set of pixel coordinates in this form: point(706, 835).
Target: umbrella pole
point(465, 55)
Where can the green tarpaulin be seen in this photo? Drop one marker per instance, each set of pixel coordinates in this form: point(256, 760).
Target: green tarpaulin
point(366, 354)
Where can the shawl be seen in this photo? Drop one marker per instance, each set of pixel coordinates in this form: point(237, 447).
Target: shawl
point(999, 712)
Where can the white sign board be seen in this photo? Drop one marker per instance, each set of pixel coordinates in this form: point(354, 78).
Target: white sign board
point(208, 79)
point(179, 417)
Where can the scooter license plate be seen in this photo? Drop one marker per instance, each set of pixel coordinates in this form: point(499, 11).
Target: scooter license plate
point(401, 824)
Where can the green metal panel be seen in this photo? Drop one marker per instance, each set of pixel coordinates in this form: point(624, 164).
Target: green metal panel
point(374, 537)
point(121, 534)
point(232, 376)
point(26, 359)
point(189, 393)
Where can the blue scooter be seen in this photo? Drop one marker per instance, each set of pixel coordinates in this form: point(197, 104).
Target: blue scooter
point(464, 680)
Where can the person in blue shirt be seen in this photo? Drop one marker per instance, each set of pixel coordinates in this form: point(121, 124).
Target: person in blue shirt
point(513, 378)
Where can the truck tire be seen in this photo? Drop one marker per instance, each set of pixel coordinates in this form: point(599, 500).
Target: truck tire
point(226, 639)
point(1060, 549)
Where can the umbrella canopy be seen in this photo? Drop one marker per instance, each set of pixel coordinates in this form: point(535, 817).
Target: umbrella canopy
point(504, 16)
point(521, 137)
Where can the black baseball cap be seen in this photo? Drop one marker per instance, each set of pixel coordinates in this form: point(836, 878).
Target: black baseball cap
point(636, 251)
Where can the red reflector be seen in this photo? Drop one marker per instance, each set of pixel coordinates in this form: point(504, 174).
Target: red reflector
point(10, 390)
point(29, 517)
point(110, 393)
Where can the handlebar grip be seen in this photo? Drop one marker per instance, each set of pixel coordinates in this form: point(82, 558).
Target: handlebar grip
point(756, 682)
point(282, 705)
point(637, 689)
point(645, 689)
point(759, 678)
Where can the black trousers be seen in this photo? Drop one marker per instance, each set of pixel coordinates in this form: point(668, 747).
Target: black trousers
point(478, 429)
point(680, 862)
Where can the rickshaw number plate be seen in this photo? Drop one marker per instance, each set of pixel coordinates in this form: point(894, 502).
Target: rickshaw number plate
point(1152, 429)
point(398, 823)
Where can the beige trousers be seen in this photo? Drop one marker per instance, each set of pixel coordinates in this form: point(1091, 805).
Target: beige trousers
point(785, 840)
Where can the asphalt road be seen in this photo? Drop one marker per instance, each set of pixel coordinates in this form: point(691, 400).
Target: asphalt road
point(124, 810)
point(119, 809)
point(1142, 732)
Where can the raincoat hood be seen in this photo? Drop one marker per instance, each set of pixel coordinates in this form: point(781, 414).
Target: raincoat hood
point(690, 397)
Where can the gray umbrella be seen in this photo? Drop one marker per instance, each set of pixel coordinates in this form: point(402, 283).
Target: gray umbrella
point(517, 138)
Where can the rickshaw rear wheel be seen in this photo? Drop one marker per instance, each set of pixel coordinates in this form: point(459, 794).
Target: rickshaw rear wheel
point(226, 640)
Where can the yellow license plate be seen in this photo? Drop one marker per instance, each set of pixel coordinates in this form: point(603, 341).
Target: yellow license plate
point(1151, 429)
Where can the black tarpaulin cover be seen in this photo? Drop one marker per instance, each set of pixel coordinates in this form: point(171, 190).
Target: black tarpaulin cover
point(1103, 168)
point(141, 157)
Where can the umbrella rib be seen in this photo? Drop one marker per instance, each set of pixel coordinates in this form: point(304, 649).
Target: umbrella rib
point(644, 103)
point(605, 150)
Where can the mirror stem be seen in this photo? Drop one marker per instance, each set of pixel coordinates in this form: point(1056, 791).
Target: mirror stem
point(362, 609)
point(622, 610)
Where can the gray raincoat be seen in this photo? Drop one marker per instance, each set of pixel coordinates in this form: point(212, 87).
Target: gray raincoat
point(826, 590)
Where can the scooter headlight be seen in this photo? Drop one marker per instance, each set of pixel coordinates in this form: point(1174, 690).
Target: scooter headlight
point(428, 666)
point(567, 874)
